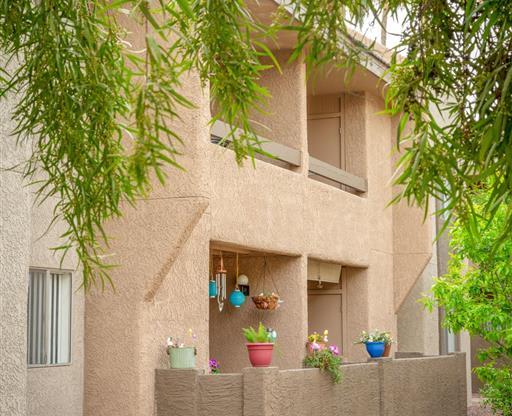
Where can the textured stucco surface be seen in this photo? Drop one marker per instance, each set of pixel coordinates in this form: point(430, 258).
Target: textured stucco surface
point(284, 119)
point(24, 244)
point(161, 248)
point(381, 388)
point(14, 261)
point(431, 386)
point(412, 241)
point(417, 327)
point(57, 390)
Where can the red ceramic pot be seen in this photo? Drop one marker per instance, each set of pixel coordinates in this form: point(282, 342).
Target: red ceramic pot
point(260, 353)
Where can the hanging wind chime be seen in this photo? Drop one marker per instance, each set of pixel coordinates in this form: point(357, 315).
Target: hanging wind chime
point(236, 298)
point(220, 282)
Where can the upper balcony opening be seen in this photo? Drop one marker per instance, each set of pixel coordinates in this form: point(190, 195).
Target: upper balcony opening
point(281, 125)
point(336, 132)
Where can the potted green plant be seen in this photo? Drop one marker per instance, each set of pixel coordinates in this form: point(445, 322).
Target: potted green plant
point(260, 345)
point(326, 359)
point(375, 342)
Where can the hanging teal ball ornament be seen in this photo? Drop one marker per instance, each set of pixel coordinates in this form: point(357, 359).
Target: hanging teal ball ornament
point(236, 298)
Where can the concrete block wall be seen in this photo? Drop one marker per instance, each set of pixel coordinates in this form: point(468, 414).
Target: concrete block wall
point(429, 386)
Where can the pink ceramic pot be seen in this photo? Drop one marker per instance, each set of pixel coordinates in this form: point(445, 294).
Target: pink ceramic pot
point(260, 353)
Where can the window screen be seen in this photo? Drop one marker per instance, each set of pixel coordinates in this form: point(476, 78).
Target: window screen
point(49, 317)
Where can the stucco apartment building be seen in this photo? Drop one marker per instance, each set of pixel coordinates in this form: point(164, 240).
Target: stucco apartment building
point(312, 224)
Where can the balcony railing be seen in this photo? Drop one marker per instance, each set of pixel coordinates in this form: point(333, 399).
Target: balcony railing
point(325, 170)
point(292, 157)
point(281, 152)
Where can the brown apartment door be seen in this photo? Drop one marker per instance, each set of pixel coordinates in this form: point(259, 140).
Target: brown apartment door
point(325, 312)
point(325, 132)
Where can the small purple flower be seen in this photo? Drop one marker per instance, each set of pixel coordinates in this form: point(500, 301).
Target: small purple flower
point(214, 366)
point(315, 346)
point(334, 349)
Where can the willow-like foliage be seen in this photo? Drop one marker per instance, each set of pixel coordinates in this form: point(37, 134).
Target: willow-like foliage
point(98, 113)
point(454, 86)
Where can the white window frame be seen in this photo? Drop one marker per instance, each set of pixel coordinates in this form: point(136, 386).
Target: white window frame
point(46, 317)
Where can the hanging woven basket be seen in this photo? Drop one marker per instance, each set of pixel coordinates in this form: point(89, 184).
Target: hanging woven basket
point(266, 301)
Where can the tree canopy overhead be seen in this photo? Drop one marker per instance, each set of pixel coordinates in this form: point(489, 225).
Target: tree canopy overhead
point(82, 88)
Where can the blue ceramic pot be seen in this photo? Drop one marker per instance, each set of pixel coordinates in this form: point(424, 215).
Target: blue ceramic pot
point(375, 349)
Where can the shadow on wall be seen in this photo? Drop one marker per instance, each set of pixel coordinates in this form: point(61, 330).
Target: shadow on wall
point(282, 275)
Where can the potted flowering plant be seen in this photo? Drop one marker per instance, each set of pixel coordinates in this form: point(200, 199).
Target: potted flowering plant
point(375, 342)
point(180, 354)
point(325, 358)
point(214, 366)
point(317, 342)
point(260, 345)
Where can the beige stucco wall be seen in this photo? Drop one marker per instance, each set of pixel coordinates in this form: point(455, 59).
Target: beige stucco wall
point(14, 260)
point(23, 244)
point(162, 249)
point(57, 390)
point(418, 329)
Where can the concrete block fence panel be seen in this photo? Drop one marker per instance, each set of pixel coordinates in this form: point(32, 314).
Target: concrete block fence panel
point(429, 386)
point(260, 393)
point(176, 392)
point(220, 395)
point(358, 394)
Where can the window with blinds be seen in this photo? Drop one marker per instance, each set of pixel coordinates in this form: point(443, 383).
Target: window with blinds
point(49, 317)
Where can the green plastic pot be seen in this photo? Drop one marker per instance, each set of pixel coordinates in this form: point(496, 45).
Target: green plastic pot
point(182, 357)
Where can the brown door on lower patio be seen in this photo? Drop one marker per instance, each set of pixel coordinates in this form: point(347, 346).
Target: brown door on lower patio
point(325, 312)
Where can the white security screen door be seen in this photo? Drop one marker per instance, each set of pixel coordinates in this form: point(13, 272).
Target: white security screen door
point(49, 317)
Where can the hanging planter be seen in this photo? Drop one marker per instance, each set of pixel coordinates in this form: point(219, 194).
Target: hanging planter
point(268, 301)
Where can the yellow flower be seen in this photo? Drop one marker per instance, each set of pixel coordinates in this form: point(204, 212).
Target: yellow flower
point(326, 332)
